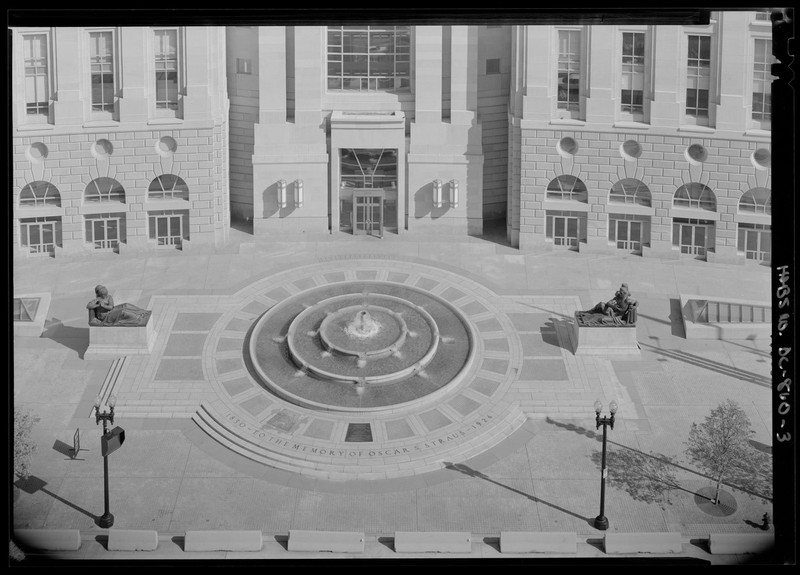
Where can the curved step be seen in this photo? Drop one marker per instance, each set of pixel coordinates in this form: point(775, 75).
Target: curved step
point(324, 466)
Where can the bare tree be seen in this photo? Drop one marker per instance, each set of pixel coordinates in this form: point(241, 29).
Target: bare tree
point(721, 444)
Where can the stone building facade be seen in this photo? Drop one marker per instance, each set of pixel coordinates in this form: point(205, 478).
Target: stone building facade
point(120, 139)
point(604, 139)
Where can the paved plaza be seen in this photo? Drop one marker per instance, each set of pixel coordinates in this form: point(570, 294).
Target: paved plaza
point(511, 447)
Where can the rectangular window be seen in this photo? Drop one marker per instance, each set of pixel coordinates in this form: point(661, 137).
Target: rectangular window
point(244, 66)
point(698, 76)
point(37, 92)
point(369, 58)
point(569, 69)
point(762, 81)
point(101, 58)
point(763, 14)
point(632, 92)
point(492, 66)
point(166, 54)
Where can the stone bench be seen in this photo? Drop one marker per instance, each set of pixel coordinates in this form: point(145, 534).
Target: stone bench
point(336, 541)
point(116, 341)
point(538, 542)
point(132, 540)
point(222, 541)
point(739, 543)
point(432, 542)
point(48, 539)
point(669, 542)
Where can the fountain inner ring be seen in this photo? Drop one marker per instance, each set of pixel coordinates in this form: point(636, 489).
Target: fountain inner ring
point(372, 339)
point(373, 332)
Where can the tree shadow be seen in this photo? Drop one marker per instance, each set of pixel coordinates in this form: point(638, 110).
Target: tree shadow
point(654, 469)
point(75, 338)
point(32, 484)
point(466, 470)
point(645, 477)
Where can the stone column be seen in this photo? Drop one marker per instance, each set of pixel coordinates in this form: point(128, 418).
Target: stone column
point(428, 74)
point(538, 68)
point(601, 103)
point(271, 68)
point(133, 105)
point(309, 74)
point(464, 75)
point(68, 106)
point(197, 98)
point(666, 106)
point(733, 68)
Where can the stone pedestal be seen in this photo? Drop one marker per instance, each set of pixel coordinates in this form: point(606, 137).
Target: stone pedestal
point(604, 340)
point(114, 341)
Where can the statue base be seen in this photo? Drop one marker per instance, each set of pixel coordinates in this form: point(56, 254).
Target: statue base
point(607, 339)
point(106, 342)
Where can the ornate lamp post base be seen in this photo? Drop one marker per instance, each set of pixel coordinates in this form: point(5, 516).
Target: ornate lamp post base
point(106, 520)
point(601, 522)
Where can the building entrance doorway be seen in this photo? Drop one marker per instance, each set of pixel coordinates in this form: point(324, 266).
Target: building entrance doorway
point(368, 192)
point(368, 213)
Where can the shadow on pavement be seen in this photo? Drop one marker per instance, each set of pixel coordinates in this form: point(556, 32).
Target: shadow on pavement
point(466, 470)
point(643, 474)
point(75, 338)
point(179, 541)
point(698, 361)
point(32, 484)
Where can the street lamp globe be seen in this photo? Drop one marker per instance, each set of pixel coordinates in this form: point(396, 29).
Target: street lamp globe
point(598, 406)
point(612, 407)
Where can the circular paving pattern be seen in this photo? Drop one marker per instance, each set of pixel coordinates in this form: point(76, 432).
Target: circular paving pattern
point(360, 346)
point(367, 369)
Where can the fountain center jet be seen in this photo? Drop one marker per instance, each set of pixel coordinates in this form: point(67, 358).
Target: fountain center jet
point(362, 326)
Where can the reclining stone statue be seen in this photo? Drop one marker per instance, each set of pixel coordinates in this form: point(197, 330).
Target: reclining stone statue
point(618, 311)
point(103, 312)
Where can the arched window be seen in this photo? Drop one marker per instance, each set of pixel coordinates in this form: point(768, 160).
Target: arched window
point(39, 194)
point(756, 201)
point(695, 195)
point(168, 187)
point(567, 188)
point(104, 190)
point(630, 191)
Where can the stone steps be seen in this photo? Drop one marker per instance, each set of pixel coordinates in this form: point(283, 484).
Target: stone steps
point(326, 467)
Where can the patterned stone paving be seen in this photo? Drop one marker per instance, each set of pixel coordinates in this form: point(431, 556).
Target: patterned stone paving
point(525, 369)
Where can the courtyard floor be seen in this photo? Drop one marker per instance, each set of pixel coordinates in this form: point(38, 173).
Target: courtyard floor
point(533, 466)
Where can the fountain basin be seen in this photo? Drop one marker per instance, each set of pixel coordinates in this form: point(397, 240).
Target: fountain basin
point(300, 349)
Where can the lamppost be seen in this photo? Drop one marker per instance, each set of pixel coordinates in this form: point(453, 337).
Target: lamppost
point(601, 522)
point(107, 520)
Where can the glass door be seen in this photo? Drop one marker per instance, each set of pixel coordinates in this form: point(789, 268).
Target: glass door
point(368, 215)
point(39, 237)
point(693, 239)
point(169, 230)
point(565, 231)
point(629, 235)
point(757, 245)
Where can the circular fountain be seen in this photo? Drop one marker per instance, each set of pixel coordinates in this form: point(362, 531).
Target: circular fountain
point(360, 346)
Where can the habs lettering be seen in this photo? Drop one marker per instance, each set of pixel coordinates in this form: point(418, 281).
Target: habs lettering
point(270, 439)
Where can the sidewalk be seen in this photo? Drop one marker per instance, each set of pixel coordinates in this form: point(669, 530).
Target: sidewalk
point(170, 477)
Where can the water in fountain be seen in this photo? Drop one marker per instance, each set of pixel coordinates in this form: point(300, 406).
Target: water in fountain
point(362, 326)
